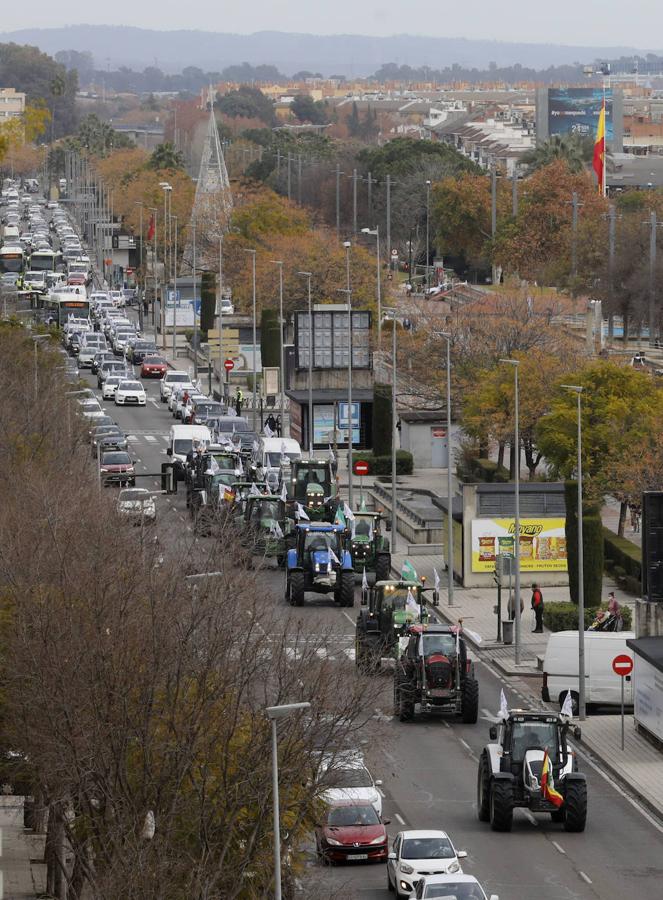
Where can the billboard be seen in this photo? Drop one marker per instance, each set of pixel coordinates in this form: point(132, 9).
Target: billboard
point(542, 544)
point(576, 111)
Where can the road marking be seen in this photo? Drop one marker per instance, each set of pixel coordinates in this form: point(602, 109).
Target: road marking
point(150, 439)
point(585, 877)
point(401, 819)
point(466, 745)
point(558, 848)
point(156, 403)
point(530, 817)
point(351, 621)
point(381, 793)
point(488, 714)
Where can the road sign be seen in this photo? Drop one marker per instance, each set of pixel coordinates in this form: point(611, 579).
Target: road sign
point(360, 467)
point(622, 665)
point(228, 365)
point(394, 252)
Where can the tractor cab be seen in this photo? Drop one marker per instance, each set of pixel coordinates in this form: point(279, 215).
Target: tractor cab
point(312, 485)
point(388, 609)
point(368, 546)
point(265, 525)
point(319, 562)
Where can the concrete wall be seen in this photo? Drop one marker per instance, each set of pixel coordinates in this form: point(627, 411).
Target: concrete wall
point(417, 438)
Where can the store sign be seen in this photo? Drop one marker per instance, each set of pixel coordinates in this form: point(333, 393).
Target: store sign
point(648, 696)
point(542, 544)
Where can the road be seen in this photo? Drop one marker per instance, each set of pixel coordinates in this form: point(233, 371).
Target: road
point(428, 767)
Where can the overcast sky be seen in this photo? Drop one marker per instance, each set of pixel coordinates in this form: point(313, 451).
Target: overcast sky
point(638, 23)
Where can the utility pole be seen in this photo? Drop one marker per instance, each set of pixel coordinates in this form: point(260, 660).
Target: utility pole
point(389, 219)
point(514, 193)
point(493, 199)
point(354, 201)
point(299, 179)
point(338, 201)
point(652, 273)
point(611, 266)
point(574, 235)
point(369, 197)
point(289, 178)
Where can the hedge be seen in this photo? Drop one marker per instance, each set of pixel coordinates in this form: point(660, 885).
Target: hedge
point(563, 616)
point(620, 552)
point(484, 471)
point(381, 465)
point(382, 421)
point(592, 543)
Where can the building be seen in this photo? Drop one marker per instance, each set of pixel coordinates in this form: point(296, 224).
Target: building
point(487, 141)
point(12, 104)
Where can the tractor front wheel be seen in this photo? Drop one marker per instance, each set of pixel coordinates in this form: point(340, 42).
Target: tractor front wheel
point(483, 789)
point(501, 805)
point(575, 806)
point(296, 588)
point(470, 701)
point(346, 594)
point(383, 567)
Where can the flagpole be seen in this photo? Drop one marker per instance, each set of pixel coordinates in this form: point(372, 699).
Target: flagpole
point(605, 141)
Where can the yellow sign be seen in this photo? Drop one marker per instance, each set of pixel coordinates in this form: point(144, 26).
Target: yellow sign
point(542, 544)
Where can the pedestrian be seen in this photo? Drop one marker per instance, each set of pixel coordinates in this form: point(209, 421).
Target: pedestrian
point(271, 423)
point(238, 402)
point(537, 606)
point(614, 610)
point(278, 426)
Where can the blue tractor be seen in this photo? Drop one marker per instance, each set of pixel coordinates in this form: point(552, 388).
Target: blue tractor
point(320, 563)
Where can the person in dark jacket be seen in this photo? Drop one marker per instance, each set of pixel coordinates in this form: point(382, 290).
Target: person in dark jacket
point(537, 606)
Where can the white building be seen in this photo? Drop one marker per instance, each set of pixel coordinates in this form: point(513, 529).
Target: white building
point(12, 104)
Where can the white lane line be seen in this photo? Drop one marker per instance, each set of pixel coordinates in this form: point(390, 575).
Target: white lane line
point(155, 403)
point(401, 819)
point(150, 438)
point(530, 817)
point(487, 713)
point(381, 793)
point(585, 877)
point(558, 848)
point(2, 884)
point(350, 620)
point(466, 745)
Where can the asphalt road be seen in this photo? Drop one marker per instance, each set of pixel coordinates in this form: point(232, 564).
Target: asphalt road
point(429, 767)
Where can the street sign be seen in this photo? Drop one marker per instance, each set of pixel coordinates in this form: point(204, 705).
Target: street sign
point(228, 365)
point(360, 467)
point(394, 252)
point(622, 665)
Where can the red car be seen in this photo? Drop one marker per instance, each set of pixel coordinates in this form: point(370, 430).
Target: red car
point(76, 278)
point(352, 832)
point(153, 367)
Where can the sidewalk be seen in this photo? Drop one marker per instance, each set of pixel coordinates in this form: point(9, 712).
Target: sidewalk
point(22, 872)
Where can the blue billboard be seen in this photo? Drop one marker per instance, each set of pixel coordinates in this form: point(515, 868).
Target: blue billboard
point(576, 111)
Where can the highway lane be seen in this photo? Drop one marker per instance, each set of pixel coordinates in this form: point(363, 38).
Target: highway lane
point(429, 766)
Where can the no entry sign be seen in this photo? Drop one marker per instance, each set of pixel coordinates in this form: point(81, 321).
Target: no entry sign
point(228, 365)
point(360, 467)
point(622, 665)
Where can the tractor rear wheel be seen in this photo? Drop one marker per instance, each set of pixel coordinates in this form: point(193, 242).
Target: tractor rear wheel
point(382, 566)
point(483, 789)
point(296, 588)
point(501, 805)
point(575, 806)
point(346, 593)
point(469, 701)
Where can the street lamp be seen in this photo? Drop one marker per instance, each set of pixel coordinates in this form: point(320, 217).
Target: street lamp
point(279, 263)
point(577, 390)
point(166, 251)
point(450, 537)
point(155, 248)
point(175, 298)
point(140, 204)
point(255, 372)
point(308, 276)
point(376, 233)
point(274, 713)
point(348, 292)
point(427, 232)
point(516, 440)
point(37, 339)
point(390, 312)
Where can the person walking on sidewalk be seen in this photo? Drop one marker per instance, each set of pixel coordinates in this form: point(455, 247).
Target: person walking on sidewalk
point(537, 606)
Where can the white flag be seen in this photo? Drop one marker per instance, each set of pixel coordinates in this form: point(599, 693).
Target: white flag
point(301, 512)
point(254, 492)
point(472, 635)
point(567, 706)
point(268, 431)
point(334, 557)
point(240, 467)
point(332, 455)
point(276, 530)
point(436, 578)
point(411, 603)
point(364, 581)
point(255, 446)
point(504, 707)
point(347, 512)
point(284, 493)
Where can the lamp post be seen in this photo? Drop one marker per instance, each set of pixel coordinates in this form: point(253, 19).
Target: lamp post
point(37, 339)
point(308, 276)
point(450, 536)
point(166, 250)
point(142, 273)
point(279, 263)
point(274, 713)
point(376, 233)
point(516, 544)
point(427, 232)
point(255, 371)
point(348, 293)
point(175, 298)
point(155, 248)
point(577, 390)
point(221, 353)
point(390, 312)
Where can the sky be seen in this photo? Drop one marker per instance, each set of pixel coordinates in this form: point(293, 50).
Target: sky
point(638, 23)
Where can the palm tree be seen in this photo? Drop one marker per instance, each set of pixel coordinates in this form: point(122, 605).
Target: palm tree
point(575, 151)
point(166, 156)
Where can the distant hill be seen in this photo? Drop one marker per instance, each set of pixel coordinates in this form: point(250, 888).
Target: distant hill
point(349, 55)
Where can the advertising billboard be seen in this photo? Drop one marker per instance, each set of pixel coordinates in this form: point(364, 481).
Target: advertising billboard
point(576, 111)
point(542, 544)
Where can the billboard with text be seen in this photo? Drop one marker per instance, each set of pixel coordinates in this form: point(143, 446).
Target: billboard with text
point(576, 111)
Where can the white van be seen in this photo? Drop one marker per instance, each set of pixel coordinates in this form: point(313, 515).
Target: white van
point(267, 457)
point(180, 441)
point(602, 686)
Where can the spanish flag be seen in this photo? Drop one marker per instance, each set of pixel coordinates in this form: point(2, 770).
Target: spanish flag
point(598, 163)
point(548, 791)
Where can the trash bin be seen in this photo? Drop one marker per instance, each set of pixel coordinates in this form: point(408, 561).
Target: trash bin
point(507, 631)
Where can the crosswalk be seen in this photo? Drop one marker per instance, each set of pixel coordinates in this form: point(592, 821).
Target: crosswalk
point(331, 654)
point(142, 437)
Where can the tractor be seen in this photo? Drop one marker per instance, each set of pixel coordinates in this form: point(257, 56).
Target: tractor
point(212, 461)
point(312, 484)
point(511, 771)
point(368, 547)
point(212, 500)
point(434, 672)
point(385, 615)
point(319, 563)
point(265, 526)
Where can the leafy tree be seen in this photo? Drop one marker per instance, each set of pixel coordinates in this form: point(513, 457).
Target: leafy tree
point(247, 103)
point(43, 80)
point(354, 124)
point(166, 156)
point(303, 74)
point(207, 301)
point(306, 109)
point(99, 138)
point(404, 155)
point(575, 151)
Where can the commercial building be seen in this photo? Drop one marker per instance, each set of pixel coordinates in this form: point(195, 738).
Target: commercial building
point(12, 104)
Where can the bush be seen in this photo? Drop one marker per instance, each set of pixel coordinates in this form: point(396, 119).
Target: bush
point(479, 469)
point(207, 300)
point(381, 465)
point(592, 547)
point(563, 616)
point(382, 422)
point(623, 554)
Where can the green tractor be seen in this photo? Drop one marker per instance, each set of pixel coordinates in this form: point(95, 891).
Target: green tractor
point(265, 526)
point(312, 485)
point(387, 610)
point(368, 547)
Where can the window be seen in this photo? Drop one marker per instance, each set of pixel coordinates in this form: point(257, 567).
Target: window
point(330, 339)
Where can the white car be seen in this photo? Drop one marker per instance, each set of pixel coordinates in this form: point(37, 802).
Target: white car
point(137, 505)
point(417, 853)
point(130, 393)
point(172, 380)
point(177, 394)
point(118, 298)
point(109, 387)
point(351, 780)
point(458, 887)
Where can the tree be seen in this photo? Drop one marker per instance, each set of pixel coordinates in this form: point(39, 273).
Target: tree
point(44, 81)
point(572, 150)
point(247, 103)
point(305, 109)
point(165, 156)
point(405, 155)
point(207, 301)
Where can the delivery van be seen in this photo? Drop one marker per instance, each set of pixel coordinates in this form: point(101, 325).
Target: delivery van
point(180, 441)
point(602, 685)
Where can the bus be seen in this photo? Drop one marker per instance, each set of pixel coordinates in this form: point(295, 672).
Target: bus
point(46, 260)
point(61, 306)
point(12, 259)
